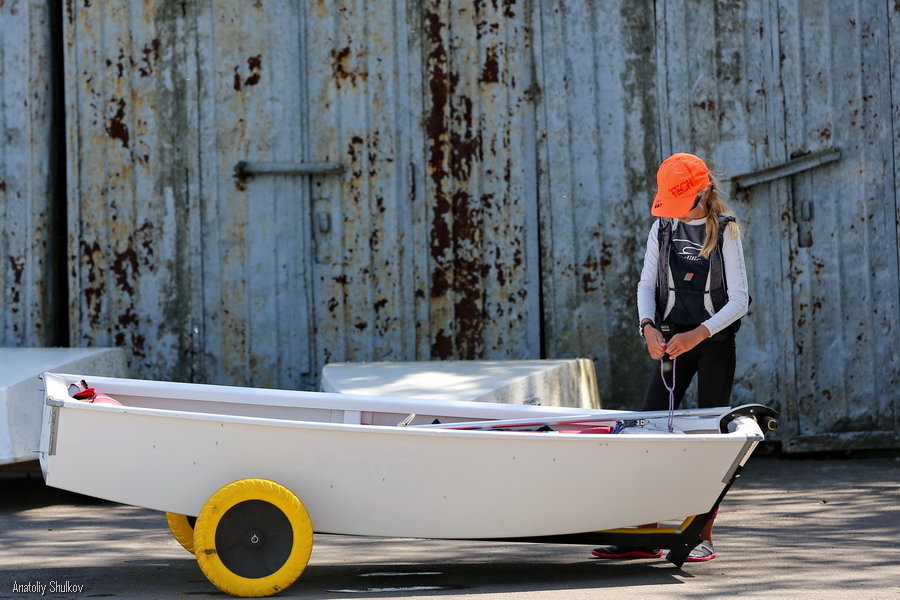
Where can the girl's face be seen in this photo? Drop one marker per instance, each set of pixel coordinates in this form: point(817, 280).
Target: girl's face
point(699, 211)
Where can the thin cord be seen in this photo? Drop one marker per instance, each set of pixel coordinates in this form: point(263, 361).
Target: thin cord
point(662, 373)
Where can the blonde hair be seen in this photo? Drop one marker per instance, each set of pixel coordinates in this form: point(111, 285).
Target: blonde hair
point(716, 205)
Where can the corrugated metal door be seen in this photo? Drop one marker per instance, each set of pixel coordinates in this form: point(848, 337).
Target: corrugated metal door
point(843, 228)
point(597, 151)
point(361, 76)
point(759, 89)
point(131, 125)
point(483, 278)
point(243, 186)
point(253, 326)
point(28, 237)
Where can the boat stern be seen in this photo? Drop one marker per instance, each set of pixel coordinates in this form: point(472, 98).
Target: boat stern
point(54, 390)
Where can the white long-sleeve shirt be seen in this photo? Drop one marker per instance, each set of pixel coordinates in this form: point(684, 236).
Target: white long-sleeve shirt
point(735, 276)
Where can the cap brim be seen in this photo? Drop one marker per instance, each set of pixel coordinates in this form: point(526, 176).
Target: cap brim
point(671, 208)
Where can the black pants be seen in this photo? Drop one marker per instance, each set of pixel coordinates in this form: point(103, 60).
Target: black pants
point(712, 361)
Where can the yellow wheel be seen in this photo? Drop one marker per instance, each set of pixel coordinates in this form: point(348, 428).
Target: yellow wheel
point(253, 537)
point(182, 527)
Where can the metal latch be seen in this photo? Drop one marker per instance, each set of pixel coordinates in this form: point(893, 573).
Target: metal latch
point(791, 167)
point(246, 168)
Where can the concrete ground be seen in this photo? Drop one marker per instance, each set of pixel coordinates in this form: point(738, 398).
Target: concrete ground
point(817, 529)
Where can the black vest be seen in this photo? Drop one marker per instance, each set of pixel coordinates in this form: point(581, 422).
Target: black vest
point(689, 274)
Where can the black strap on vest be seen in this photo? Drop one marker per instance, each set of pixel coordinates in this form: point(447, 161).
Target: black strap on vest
point(718, 291)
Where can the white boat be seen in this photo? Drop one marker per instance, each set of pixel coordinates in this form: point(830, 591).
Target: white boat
point(379, 466)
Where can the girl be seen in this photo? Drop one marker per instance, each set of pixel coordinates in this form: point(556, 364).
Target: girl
point(692, 294)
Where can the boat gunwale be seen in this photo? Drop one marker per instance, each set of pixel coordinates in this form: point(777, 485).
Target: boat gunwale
point(744, 431)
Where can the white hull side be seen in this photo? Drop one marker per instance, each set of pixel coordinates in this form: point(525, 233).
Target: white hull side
point(389, 481)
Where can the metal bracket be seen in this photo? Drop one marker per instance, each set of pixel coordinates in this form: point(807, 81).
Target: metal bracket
point(54, 429)
point(246, 168)
point(786, 169)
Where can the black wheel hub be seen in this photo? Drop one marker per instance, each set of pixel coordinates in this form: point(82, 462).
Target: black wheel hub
point(254, 539)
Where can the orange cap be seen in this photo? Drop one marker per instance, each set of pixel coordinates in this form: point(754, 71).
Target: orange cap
point(679, 178)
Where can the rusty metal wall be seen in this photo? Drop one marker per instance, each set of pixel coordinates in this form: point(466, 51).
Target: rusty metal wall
point(255, 275)
point(254, 325)
point(597, 153)
point(301, 269)
point(843, 227)
point(28, 293)
point(363, 102)
point(793, 101)
point(481, 183)
point(131, 162)
point(257, 189)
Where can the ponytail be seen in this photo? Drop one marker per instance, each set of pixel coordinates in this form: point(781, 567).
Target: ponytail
point(716, 205)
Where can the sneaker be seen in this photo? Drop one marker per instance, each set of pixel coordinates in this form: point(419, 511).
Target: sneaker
point(623, 552)
point(702, 553)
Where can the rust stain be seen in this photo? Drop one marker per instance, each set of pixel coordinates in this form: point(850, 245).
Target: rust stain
point(442, 346)
point(606, 256)
point(254, 63)
point(436, 129)
point(151, 56)
point(455, 149)
point(490, 73)
point(125, 267)
point(117, 129)
point(129, 317)
point(465, 141)
point(340, 67)
point(93, 291)
point(17, 264)
point(254, 66)
point(468, 273)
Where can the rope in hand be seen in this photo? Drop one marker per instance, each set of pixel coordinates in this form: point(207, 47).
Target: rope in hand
point(662, 373)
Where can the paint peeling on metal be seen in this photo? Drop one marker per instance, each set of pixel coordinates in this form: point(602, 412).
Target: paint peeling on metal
point(254, 70)
point(474, 180)
point(341, 70)
point(28, 294)
point(117, 128)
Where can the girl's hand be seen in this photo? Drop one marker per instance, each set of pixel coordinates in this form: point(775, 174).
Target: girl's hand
point(656, 343)
point(684, 342)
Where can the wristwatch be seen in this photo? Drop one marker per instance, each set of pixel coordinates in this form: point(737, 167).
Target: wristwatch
point(644, 324)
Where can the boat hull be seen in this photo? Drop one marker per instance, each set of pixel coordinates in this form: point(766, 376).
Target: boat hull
point(382, 480)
